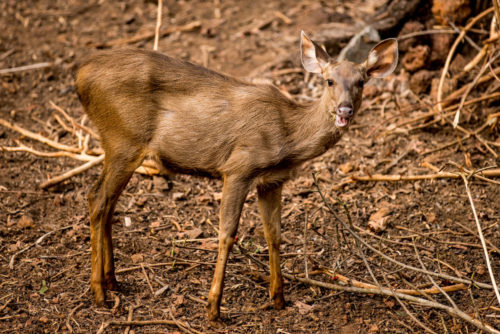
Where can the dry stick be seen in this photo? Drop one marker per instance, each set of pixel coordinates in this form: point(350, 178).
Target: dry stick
point(182, 326)
point(24, 148)
point(147, 280)
point(305, 246)
point(497, 11)
point(158, 25)
point(25, 68)
point(72, 172)
point(441, 175)
point(129, 317)
point(38, 137)
point(475, 60)
point(452, 51)
point(72, 121)
point(39, 240)
point(481, 237)
point(492, 245)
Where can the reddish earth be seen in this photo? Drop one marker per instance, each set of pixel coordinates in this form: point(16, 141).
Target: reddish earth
point(47, 290)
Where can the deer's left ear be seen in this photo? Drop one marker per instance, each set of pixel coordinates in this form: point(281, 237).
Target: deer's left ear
point(314, 58)
point(382, 59)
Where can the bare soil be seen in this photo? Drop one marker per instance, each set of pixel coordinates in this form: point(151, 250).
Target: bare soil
point(47, 291)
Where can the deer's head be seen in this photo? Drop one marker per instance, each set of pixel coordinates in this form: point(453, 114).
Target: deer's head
point(344, 80)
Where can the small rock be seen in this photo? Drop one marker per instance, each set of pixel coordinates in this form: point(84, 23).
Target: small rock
point(421, 81)
point(430, 217)
point(136, 258)
point(416, 58)
point(25, 222)
point(408, 28)
point(44, 319)
point(178, 196)
point(455, 11)
point(441, 44)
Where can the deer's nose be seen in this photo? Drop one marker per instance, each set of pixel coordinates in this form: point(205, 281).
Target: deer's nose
point(346, 110)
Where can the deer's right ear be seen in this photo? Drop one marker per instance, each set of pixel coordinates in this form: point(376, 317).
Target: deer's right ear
point(314, 58)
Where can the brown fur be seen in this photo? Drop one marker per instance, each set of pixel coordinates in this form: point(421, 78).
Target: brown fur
point(194, 120)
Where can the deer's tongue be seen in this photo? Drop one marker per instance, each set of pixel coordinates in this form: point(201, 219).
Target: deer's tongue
point(341, 121)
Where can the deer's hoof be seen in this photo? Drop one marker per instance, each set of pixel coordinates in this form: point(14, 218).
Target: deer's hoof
point(112, 284)
point(99, 293)
point(279, 302)
point(216, 324)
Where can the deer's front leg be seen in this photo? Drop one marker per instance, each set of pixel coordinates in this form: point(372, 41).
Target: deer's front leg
point(270, 211)
point(234, 193)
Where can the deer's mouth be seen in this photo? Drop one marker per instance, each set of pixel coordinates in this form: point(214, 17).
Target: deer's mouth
point(341, 122)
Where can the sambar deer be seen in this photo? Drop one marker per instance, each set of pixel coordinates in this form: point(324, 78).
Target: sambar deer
point(194, 120)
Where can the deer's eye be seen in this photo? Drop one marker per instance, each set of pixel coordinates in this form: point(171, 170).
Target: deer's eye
point(360, 83)
point(330, 82)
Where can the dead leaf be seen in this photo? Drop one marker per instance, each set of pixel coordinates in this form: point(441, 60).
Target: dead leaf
point(155, 224)
point(378, 220)
point(194, 233)
point(209, 245)
point(136, 258)
point(373, 329)
point(346, 168)
point(178, 196)
point(303, 307)
point(430, 217)
point(389, 303)
point(177, 299)
point(25, 222)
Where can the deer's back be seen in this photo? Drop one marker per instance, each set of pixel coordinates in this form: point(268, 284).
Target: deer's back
point(191, 117)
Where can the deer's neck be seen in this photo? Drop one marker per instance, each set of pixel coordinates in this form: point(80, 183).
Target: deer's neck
point(313, 130)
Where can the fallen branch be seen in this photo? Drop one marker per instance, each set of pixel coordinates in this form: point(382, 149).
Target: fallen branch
point(386, 292)
point(440, 175)
point(38, 137)
point(72, 172)
point(72, 121)
point(411, 292)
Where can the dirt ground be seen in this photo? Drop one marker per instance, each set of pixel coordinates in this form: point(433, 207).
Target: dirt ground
point(171, 241)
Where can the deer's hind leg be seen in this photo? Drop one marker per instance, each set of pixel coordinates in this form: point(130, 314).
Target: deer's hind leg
point(269, 199)
point(119, 165)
